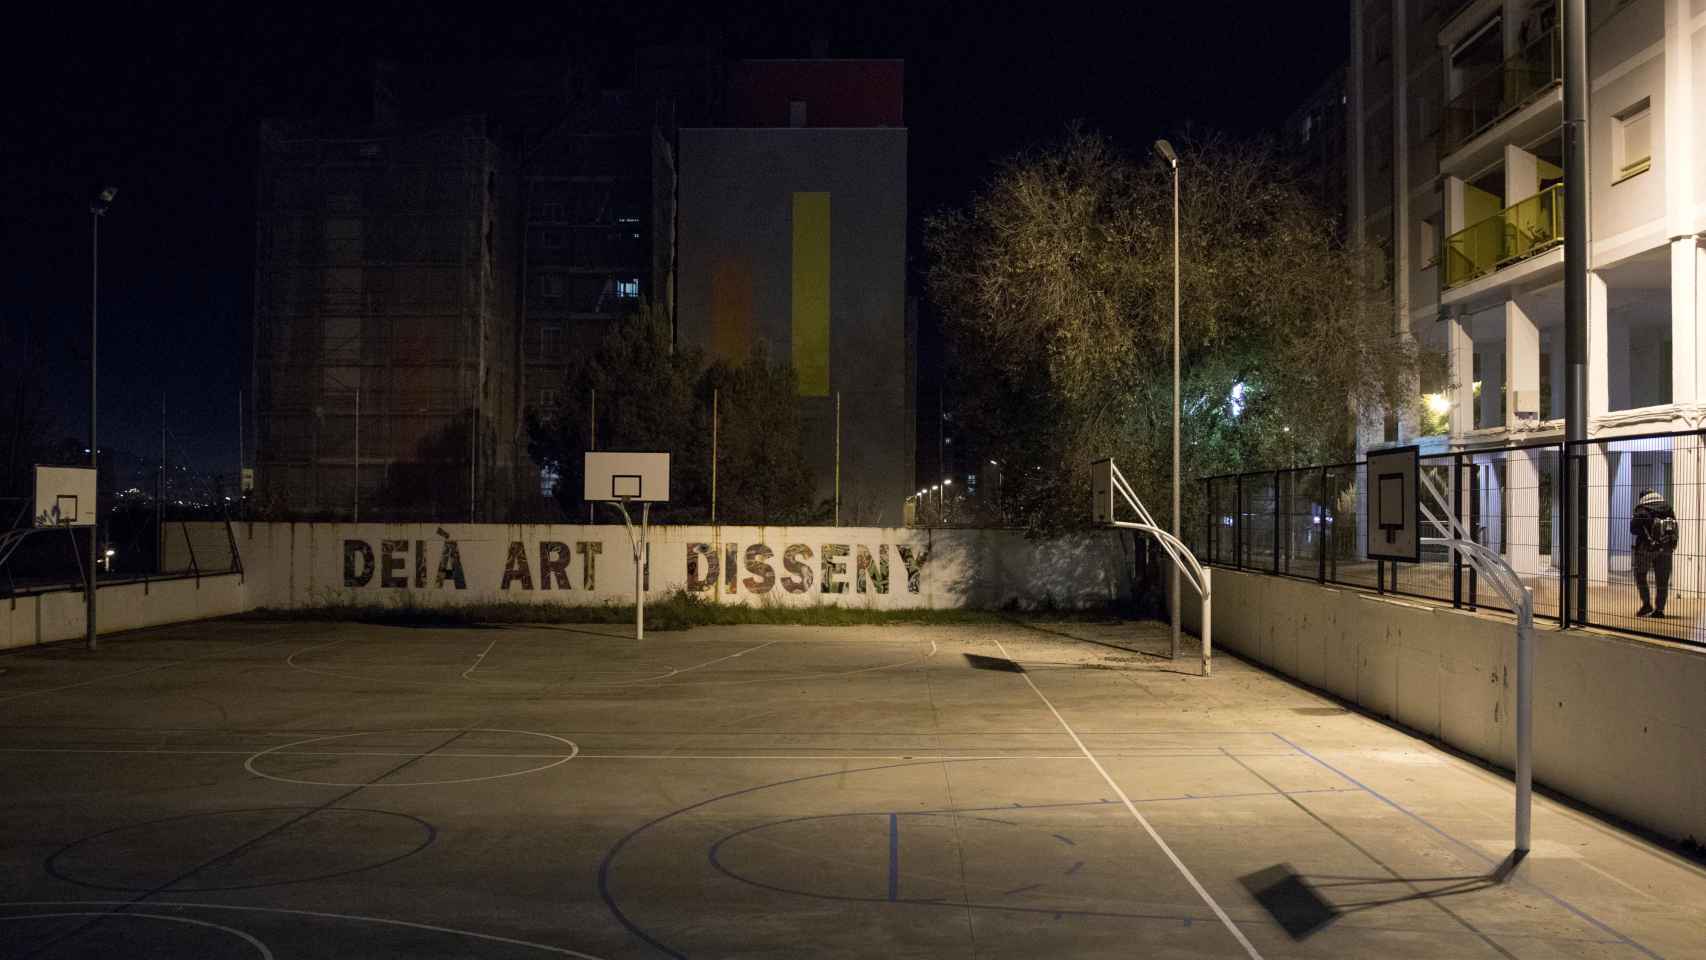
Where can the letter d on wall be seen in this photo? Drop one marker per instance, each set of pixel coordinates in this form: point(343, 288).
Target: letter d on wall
point(353, 549)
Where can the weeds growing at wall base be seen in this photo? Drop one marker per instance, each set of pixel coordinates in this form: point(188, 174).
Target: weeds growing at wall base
point(679, 611)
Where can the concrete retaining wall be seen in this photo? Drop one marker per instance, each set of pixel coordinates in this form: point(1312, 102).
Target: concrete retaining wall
point(1618, 723)
point(48, 617)
point(290, 565)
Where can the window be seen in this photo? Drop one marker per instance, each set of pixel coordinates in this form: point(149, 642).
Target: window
point(628, 289)
point(1428, 243)
point(548, 475)
point(552, 211)
point(1632, 142)
point(547, 400)
point(553, 239)
point(551, 286)
point(796, 113)
point(551, 342)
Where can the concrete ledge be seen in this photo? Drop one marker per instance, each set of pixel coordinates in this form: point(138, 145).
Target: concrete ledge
point(51, 617)
point(1619, 723)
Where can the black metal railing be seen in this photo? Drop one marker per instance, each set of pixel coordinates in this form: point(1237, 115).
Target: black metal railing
point(1502, 90)
point(1308, 522)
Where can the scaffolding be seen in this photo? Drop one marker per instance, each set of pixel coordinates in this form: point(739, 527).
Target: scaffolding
point(385, 339)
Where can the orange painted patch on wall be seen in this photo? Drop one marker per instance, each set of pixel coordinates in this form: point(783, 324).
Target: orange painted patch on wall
point(731, 308)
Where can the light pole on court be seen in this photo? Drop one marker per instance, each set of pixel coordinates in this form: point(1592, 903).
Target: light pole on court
point(97, 209)
point(1164, 150)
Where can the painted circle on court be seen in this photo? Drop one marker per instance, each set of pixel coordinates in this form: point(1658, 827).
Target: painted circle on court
point(411, 758)
point(111, 934)
point(240, 849)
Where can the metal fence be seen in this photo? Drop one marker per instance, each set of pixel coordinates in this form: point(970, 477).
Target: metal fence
point(132, 545)
point(1308, 522)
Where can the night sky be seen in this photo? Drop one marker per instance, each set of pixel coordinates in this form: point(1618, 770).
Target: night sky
point(163, 104)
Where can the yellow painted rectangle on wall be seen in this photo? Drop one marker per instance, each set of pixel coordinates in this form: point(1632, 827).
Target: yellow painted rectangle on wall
point(811, 293)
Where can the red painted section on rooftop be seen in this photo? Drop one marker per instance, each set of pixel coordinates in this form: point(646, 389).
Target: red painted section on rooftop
point(837, 93)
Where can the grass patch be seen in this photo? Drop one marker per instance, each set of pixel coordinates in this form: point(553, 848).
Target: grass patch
point(679, 611)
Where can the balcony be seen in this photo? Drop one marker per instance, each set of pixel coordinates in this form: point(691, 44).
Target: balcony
point(1513, 234)
point(1502, 91)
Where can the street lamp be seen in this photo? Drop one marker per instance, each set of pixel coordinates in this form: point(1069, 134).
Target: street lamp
point(1164, 150)
point(97, 209)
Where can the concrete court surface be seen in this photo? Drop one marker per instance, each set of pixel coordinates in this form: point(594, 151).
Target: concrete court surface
point(301, 790)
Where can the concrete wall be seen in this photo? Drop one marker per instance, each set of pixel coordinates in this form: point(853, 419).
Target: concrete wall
point(48, 617)
point(1618, 723)
point(291, 565)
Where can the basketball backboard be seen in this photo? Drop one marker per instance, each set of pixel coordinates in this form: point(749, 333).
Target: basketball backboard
point(636, 477)
point(1394, 532)
point(1102, 491)
point(65, 496)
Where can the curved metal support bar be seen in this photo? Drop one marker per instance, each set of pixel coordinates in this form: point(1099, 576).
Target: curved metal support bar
point(1192, 569)
point(1174, 547)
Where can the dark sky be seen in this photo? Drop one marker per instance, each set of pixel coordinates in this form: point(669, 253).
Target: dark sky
point(162, 102)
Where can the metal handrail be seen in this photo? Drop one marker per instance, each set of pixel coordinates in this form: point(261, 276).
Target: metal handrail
point(1517, 232)
point(1510, 85)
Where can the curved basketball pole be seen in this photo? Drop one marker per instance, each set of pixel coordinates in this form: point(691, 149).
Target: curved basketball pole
point(1180, 554)
point(639, 546)
point(1498, 571)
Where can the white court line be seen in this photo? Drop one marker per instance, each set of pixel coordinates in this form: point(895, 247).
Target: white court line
point(260, 947)
point(560, 951)
point(849, 755)
point(1225, 920)
point(482, 656)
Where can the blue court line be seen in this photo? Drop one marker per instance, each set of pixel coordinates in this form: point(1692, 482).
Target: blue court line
point(1560, 901)
point(610, 856)
point(894, 858)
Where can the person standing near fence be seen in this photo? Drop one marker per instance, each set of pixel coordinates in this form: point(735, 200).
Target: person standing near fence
point(1653, 524)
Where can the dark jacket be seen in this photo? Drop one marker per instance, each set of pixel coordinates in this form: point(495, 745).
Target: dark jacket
point(1641, 523)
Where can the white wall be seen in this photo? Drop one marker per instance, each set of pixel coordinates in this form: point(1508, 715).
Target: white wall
point(49, 617)
point(1618, 723)
point(290, 565)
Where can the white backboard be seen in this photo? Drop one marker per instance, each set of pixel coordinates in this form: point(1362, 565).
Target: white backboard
point(1102, 491)
point(65, 496)
point(638, 477)
point(1393, 530)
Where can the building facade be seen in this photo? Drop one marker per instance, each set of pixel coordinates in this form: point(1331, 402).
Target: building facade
point(792, 231)
point(1456, 173)
point(385, 347)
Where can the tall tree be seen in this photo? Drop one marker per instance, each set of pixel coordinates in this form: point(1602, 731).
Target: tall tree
point(651, 395)
point(1056, 290)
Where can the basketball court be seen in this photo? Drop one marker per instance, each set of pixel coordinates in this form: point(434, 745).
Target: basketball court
point(235, 789)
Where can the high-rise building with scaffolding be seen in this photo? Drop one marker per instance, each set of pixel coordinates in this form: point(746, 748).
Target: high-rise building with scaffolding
point(386, 346)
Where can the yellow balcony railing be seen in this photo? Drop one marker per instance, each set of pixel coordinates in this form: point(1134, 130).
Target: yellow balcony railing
point(1515, 233)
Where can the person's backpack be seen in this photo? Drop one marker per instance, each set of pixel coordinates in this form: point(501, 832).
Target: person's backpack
point(1665, 533)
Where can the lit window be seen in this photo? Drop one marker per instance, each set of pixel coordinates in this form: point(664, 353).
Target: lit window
point(548, 474)
point(1632, 143)
point(628, 289)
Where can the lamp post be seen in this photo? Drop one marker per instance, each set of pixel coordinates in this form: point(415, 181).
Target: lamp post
point(1164, 150)
point(97, 209)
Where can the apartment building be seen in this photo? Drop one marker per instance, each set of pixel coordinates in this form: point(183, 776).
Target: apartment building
point(1456, 172)
point(793, 231)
